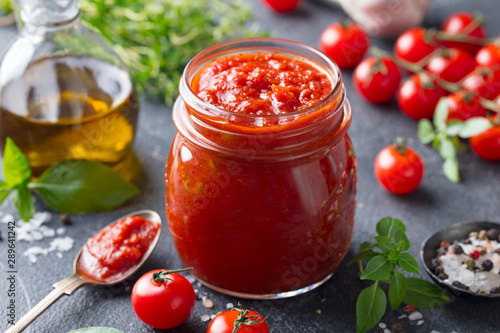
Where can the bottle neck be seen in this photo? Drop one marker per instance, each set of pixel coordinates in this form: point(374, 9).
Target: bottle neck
point(48, 14)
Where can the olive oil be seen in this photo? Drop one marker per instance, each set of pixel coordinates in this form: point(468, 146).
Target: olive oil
point(71, 107)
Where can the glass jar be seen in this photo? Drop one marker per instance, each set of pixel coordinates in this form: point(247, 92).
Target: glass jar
point(261, 206)
point(65, 93)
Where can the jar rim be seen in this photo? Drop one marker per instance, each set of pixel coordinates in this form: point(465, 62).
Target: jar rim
point(275, 44)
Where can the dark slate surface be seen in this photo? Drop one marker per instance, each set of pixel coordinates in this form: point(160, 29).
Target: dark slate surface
point(435, 204)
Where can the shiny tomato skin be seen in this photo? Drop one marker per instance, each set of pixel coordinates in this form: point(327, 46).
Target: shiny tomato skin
point(377, 79)
point(163, 305)
point(399, 173)
point(463, 105)
point(417, 100)
point(457, 23)
point(484, 81)
point(414, 45)
point(487, 144)
point(489, 55)
point(282, 6)
point(346, 45)
point(451, 66)
point(224, 323)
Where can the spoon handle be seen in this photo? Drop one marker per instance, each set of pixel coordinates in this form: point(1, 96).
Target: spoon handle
point(64, 287)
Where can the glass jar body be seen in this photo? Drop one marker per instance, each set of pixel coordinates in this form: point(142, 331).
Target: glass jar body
point(263, 213)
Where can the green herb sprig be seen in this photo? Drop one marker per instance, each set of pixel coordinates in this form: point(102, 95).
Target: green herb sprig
point(381, 267)
point(71, 186)
point(5, 7)
point(158, 38)
point(445, 136)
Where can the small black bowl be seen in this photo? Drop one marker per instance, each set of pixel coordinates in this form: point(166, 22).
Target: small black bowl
point(454, 232)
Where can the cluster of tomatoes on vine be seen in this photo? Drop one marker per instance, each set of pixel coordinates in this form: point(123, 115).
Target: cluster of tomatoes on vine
point(457, 65)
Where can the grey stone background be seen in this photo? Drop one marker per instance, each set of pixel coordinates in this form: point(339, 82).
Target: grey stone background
point(437, 203)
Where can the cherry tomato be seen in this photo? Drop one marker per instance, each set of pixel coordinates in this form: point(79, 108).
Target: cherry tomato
point(377, 79)
point(344, 44)
point(241, 319)
point(484, 81)
point(399, 169)
point(282, 6)
point(464, 105)
point(452, 65)
point(487, 144)
point(163, 300)
point(489, 55)
point(464, 23)
point(415, 44)
point(418, 96)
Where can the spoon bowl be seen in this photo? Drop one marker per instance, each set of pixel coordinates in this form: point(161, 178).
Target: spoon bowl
point(145, 214)
point(451, 233)
point(70, 284)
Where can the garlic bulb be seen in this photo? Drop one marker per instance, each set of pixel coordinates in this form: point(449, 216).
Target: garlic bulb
point(386, 18)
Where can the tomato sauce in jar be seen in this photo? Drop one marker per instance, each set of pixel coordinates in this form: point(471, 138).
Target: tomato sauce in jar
point(117, 248)
point(260, 181)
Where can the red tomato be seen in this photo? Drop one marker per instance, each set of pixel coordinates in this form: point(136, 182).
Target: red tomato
point(346, 45)
point(240, 319)
point(377, 79)
point(164, 304)
point(282, 6)
point(452, 65)
point(418, 96)
point(464, 105)
point(487, 144)
point(464, 23)
point(489, 55)
point(399, 169)
point(484, 81)
point(415, 44)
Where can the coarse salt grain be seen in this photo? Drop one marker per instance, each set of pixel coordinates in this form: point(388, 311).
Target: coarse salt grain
point(205, 318)
point(58, 244)
point(229, 305)
point(415, 315)
point(420, 322)
point(382, 325)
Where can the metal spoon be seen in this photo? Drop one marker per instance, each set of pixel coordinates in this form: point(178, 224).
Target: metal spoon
point(69, 285)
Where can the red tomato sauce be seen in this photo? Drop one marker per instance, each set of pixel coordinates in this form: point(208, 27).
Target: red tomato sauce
point(253, 226)
point(117, 248)
point(261, 84)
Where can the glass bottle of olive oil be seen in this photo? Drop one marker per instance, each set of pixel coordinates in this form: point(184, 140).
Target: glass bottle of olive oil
point(64, 92)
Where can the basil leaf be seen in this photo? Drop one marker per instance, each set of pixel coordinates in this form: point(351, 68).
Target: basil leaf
point(441, 114)
point(408, 263)
point(473, 126)
point(403, 245)
point(359, 257)
point(97, 330)
point(4, 191)
point(397, 290)
point(23, 201)
point(16, 168)
point(425, 131)
point(423, 294)
point(366, 246)
point(371, 255)
point(384, 243)
point(370, 307)
point(447, 149)
point(454, 127)
point(450, 169)
point(393, 257)
point(378, 268)
point(81, 186)
point(388, 227)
